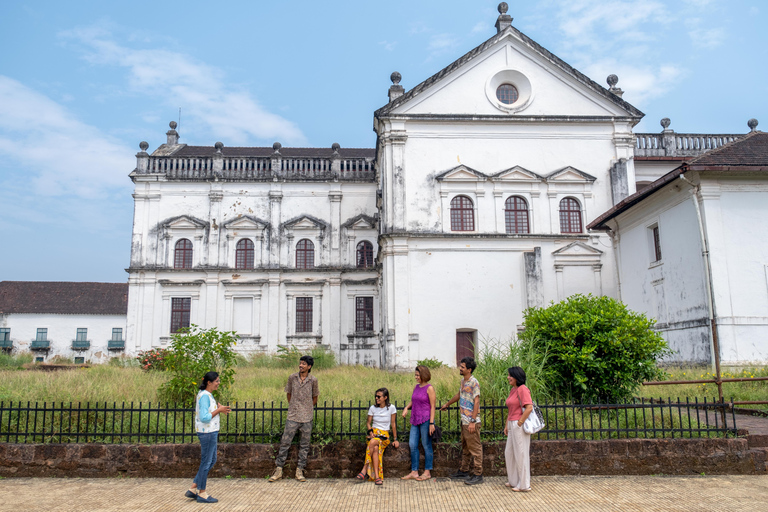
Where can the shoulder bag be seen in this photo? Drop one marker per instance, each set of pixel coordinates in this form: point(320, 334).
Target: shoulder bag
point(535, 420)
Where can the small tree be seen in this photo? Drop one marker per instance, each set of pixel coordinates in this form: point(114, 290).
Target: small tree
point(598, 349)
point(194, 352)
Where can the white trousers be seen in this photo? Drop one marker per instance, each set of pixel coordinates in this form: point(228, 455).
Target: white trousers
point(517, 455)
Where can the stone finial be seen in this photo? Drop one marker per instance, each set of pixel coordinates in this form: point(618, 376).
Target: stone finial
point(336, 147)
point(395, 90)
point(219, 146)
point(752, 123)
point(173, 135)
point(143, 145)
point(665, 123)
point(612, 81)
point(504, 20)
point(276, 146)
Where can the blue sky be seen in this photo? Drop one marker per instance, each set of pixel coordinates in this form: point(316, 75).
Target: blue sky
point(82, 83)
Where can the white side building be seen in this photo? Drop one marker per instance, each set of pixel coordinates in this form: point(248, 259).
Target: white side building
point(80, 321)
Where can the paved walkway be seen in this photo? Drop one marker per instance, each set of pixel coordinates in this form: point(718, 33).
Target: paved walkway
point(550, 494)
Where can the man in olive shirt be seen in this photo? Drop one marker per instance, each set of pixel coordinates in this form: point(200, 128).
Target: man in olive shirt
point(303, 390)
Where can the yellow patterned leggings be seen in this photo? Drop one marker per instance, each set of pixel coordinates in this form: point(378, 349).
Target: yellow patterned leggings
point(383, 443)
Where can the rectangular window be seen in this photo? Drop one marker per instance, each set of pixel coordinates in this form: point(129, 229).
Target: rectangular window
point(42, 334)
point(363, 314)
point(656, 243)
point(82, 334)
point(79, 360)
point(180, 308)
point(303, 314)
point(39, 359)
point(117, 334)
point(5, 334)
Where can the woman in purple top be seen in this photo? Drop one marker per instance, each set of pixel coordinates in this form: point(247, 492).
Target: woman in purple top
point(422, 406)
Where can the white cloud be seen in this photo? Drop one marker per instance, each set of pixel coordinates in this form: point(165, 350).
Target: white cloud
point(388, 45)
point(641, 83)
point(58, 153)
point(441, 42)
point(480, 27)
point(230, 112)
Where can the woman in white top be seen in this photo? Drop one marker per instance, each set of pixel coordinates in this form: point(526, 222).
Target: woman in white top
point(380, 418)
point(207, 427)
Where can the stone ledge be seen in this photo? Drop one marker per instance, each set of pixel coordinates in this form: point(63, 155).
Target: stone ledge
point(343, 459)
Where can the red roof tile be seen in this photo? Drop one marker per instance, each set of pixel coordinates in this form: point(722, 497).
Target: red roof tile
point(63, 298)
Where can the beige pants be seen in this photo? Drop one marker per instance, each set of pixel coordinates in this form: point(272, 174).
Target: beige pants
point(517, 455)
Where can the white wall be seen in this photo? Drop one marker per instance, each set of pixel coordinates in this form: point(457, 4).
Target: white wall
point(62, 329)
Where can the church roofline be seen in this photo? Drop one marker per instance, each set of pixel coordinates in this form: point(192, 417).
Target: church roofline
point(384, 111)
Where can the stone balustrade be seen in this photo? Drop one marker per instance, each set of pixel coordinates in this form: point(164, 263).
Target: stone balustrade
point(671, 144)
point(256, 168)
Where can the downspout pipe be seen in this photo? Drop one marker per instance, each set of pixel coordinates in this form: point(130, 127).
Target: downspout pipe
point(714, 346)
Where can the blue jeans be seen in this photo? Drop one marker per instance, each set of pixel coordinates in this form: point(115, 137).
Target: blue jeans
point(207, 457)
point(426, 441)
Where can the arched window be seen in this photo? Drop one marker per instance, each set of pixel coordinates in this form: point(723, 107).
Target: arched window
point(182, 257)
point(364, 254)
point(516, 215)
point(244, 254)
point(305, 254)
point(462, 214)
point(570, 216)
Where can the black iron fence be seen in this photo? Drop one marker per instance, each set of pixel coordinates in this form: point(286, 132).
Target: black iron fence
point(33, 422)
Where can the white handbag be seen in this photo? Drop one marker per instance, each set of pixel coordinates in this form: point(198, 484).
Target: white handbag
point(535, 421)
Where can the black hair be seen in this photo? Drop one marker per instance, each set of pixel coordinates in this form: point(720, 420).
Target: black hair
point(309, 360)
point(385, 392)
point(207, 379)
point(470, 363)
point(517, 373)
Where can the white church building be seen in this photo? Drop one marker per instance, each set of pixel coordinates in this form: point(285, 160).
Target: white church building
point(472, 207)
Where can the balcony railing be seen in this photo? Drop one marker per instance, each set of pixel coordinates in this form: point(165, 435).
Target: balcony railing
point(40, 345)
point(116, 345)
point(671, 144)
point(6, 344)
point(257, 168)
point(81, 344)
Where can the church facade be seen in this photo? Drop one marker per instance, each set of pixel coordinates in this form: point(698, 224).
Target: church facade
point(472, 207)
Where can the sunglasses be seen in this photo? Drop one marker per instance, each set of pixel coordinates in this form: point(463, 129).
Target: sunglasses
point(379, 396)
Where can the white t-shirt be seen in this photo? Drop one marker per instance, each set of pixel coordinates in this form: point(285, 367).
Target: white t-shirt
point(382, 416)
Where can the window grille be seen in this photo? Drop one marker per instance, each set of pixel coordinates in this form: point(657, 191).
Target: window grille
point(516, 215)
point(180, 308)
point(82, 334)
point(303, 314)
point(570, 216)
point(305, 254)
point(363, 314)
point(462, 214)
point(364, 255)
point(183, 254)
point(656, 243)
point(244, 254)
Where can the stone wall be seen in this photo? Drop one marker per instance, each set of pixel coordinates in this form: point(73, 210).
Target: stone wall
point(344, 459)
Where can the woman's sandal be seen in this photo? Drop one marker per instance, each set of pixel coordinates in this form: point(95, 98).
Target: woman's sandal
point(379, 481)
point(521, 490)
point(422, 478)
point(362, 476)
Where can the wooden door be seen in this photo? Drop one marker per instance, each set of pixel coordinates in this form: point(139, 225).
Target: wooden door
point(465, 345)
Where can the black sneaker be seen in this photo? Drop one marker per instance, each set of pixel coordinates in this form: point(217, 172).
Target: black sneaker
point(474, 479)
point(460, 475)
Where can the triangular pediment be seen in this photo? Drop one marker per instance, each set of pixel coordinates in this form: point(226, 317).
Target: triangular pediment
point(305, 222)
point(461, 173)
point(579, 249)
point(467, 86)
point(570, 174)
point(184, 222)
point(361, 221)
point(517, 173)
point(245, 222)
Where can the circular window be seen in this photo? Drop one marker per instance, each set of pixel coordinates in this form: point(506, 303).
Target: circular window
point(507, 94)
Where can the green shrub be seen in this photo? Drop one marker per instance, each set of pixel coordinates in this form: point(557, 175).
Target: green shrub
point(123, 361)
point(430, 363)
point(195, 352)
point(15, 360)
point(495, 356)
point(598, 349)
point(153, 359)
